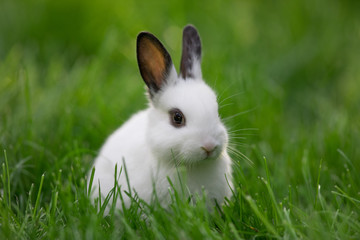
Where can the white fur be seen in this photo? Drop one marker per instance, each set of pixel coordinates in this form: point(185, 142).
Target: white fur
point(153, 149)
point(196, 68)
point(148, 143)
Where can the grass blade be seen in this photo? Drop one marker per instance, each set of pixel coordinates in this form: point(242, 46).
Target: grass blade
point(37, 202)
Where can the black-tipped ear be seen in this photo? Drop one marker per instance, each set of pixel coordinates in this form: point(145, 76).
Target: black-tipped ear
point(154, 61)
point(190, 66)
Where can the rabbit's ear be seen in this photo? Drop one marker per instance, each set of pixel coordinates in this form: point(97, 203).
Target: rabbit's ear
point(154, 61)
point(190, 66)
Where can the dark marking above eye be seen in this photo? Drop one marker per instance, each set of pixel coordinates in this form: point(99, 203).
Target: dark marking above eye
point(177, 118)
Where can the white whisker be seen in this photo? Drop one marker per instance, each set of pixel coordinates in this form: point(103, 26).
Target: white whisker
point(225, 105)
point(240, 155)
point(245, 129)
point(238, 114)
point(243, 138)
point(227, 98)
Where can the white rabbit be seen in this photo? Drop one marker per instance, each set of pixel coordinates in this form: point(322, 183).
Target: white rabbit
point(180, 128)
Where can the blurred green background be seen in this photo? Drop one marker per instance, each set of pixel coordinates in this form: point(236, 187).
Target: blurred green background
point(69, 77)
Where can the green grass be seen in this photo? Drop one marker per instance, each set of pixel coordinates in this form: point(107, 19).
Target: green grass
point(68, 78)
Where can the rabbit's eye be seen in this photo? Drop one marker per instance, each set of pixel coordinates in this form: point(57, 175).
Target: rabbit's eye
point(177, 118)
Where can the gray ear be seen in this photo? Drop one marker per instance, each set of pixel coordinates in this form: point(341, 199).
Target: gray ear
point(154, 61)
point(190, 66)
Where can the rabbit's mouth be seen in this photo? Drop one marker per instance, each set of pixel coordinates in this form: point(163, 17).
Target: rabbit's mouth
point(212, 155)
point(210, 150)
point(201, 155)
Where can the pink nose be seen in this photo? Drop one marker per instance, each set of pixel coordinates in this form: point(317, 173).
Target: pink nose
point(209, 148)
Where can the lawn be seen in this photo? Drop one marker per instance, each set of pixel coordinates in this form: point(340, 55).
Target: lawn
point(287, 75)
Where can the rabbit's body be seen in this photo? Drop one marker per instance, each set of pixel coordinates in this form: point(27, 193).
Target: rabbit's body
point(181, 128)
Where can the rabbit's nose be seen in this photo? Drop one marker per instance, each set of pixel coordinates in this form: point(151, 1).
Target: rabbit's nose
point(209, 148)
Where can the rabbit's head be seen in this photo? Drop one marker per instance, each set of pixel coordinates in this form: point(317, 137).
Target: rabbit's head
point(183, 122)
